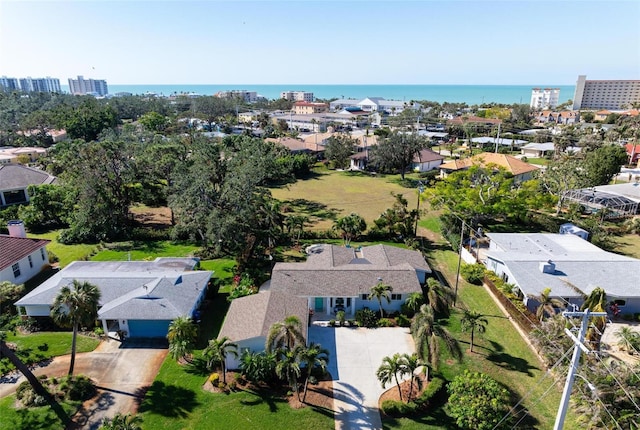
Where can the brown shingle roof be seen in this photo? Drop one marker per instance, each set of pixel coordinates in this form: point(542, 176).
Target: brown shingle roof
point(252, 316)
point(13, 249)
point(427, 155)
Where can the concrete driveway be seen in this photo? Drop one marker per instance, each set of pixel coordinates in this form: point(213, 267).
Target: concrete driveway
point(121, 371)
point(355, 355)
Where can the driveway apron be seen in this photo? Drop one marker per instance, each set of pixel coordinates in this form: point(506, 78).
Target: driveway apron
point(355, 355)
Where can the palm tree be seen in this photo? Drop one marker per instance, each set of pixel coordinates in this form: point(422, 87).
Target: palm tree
point(596, 301)
point(75, 308)
point(427, 333)
point(547, 304)
point(390, 369)
point(313, 356)
point(438, 296)
point(380, 291)
point(217, 351)
point(629, 339)
point(287, 333)
point(411, 363)
point(472, 320)
point(350, 227)
point(182, 337)
point(414, 301)
point(5, 351)
point(122, 422)
point(288, 367)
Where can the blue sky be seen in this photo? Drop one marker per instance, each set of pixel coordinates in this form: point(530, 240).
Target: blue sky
point(322, 42)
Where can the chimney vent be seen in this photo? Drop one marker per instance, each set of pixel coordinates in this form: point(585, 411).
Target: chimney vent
point(16, 229)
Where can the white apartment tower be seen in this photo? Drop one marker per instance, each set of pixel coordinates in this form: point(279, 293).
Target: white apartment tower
point(29, 84)
point(83, 86)
point(544, 98)
point(607, 94)
point(297, 96)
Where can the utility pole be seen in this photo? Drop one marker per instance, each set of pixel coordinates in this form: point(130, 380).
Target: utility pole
point(455, 296)
point(498, 137)
point(575, 361)
point(420, 190)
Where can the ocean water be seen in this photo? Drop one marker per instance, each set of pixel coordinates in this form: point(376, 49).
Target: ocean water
point(470, 94)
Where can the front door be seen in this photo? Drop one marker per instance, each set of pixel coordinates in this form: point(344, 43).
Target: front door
point(319, 304)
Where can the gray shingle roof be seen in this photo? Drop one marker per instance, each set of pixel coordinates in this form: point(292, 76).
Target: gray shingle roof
point(252, 316)
point(160, 289)
point(17, 176)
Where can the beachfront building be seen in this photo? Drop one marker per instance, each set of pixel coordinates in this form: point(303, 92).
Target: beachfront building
point(544, 98)
point(244, 95)
point(297, 96)
point(31, 85)
point(605, 94)
point(373, 104)
point(82, 86)
point(9, 84)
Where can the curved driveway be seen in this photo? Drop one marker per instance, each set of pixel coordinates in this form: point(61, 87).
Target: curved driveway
point(355, 355)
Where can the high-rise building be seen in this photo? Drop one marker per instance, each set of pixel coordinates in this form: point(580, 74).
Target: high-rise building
point(544, 98)
point(9, 84)
point(80, 86)
point(297, 96)
point(607, 94)
point(29, 84)
point(247, 96)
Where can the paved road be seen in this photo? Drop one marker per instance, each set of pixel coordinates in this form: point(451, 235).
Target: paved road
point(121, 372)
point(355, 355)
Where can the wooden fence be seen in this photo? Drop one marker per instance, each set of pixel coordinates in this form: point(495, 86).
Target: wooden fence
point(525, 320)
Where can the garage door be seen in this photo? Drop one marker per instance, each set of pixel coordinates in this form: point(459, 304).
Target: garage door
point(148, 328)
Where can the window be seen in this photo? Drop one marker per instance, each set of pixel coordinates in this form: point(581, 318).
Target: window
point(42, 253)
point(396, 296)
point(16, 270)
point(30, 261)
point(620, 302)
point(364, 296)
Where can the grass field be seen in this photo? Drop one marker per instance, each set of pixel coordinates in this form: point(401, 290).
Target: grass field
point(333, 194)
point(33, 418)
point(65, 253)
point(138, 250)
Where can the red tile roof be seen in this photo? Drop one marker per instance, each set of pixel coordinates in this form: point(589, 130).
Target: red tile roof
point(13, 249)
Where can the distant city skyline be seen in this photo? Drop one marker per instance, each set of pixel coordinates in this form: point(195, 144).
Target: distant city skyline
point(496, 42)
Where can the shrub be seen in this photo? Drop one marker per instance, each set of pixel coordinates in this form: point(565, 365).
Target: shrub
point(366, 318)
point(98, 331)
point(80, 388)
point(435, 388)
point(473, 273)
point(214, 378)
point(332, 323)
point(385, 322)
point(403, 321)
point(341, 316)
point(53, 258)
point(395, 408)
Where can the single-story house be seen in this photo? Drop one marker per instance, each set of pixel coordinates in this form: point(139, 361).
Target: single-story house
point(140, 298)
point(484, 140)
point(538, 150)
point(332, 279)
point(21, 258)
point(249, 319)
point(633, 151)
point(426, 160)
point(563, 262)
point(520, 170)
point(14, 180)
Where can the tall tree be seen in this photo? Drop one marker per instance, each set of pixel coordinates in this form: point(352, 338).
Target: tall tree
point(381, 291)
point(216, 353)
point(414, 301)
point(396, 152)
point(87, 120)
point(474, 321)
point(397, 221)
point(338, 150)
point(312, 357)
point(596, 301)
point(9, 292)
point(602, 164)
point(285, 334)
point(76, 306)
point(288, 367)
point(427, 333)
point(350, 227)
point(439, 297)
point(182, 336)
point(391, 369)
point(411, 363)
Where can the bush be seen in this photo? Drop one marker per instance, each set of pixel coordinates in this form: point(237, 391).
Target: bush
point(385, 322)
point(366, 318)
point(434, 388)
point(98, 331)
point(53, 258)
point(332, 323)
point(403, 321)
point(80, 388)
point(214, 378)
point(473, 273)
point(341, 316)
point(395, 408)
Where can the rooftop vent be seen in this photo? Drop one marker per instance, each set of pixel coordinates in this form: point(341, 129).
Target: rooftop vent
point(547, 267)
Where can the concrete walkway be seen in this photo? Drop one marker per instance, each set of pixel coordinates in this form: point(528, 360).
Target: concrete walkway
point(355, 355)
point(121, 372)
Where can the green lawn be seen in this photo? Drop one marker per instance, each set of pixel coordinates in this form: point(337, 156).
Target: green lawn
point(138, 250)
point(66, 253)
point(537, 161)
point(41, 346)
point(176, 399)
point(40, 418)
point(332, 194)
